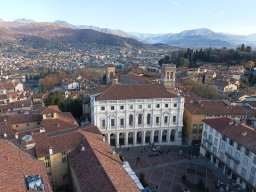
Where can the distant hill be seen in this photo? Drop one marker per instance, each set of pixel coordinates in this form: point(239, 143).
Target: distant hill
point(46, 34)
point(199, 38)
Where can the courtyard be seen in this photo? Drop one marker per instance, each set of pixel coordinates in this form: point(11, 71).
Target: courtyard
point(164, 170)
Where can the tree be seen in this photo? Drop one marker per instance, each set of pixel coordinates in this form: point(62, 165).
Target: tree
point(55, 98)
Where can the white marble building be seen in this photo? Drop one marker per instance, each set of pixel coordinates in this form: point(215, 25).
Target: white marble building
point(231, 146)
point(131, 115)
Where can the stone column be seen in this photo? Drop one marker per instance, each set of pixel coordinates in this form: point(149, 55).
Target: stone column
point(143, 137)
point(126, 139)
point(151, 136)
point(160, 136)
point(134, 137)
point(168, 135)
point(108, 136)
point(117, 140)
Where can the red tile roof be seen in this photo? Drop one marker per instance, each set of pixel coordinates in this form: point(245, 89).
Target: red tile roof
point(105, 172)
point(15, 165)
point(239, 133)
point(140, 91)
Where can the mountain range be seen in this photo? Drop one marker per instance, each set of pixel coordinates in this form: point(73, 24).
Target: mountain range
point(66, 32)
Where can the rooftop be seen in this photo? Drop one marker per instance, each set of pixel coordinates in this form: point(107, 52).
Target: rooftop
point(105, 173)
point(16, 165)
point(241, 134)
point(140, 91)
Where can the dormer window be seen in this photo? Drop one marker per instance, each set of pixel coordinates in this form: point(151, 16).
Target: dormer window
point(49, 116)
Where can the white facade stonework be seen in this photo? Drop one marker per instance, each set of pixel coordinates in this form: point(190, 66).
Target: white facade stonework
point(132, 122)
point(226, 150)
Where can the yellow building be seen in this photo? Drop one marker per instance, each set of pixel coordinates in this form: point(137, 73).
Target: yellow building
point(197, 109)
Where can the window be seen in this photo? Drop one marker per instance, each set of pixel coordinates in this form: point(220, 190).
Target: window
point(216, 133)
point(205, 134)
point(166, 105)
point(38, 123)
point(157, 120)
point(222, 145)
point(64, 160)
point(47, 157)
point(47, 164)
point(149, 106)
point(245, 161)
point(231, 142)
point(148, 119)
point(112, 108)
point(224, 138)
point(130, 120)
point(237, 156)
point(158, 106)
point(165, 119)
point(102, 108)
point(140, 106)
point(122, 122)
point(251, 179)
point(171, 75)
point(253, 170)
point(131, 106)
point(174, 119)
point(230, 150)
point(63, 153)
point(113, 122)
point(103, 123)
point(64, 177)
point(194, 130)
point(121, 107)
point(17, 126)
point(243, 172)
point(49, 173)
point(175, 105)
point(247, 152)
point(27, 124)
point(215, 141)
point(139, 119)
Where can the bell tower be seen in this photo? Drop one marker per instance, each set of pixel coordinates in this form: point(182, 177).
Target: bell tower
point(168, 72)
point(110, 72)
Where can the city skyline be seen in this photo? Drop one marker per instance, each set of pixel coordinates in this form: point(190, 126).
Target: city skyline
point(166, 16)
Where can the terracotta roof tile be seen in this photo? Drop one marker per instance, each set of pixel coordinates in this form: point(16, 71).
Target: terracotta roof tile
point(239, 133)
point(105, 172)
point(140, 91)
point(15, 165)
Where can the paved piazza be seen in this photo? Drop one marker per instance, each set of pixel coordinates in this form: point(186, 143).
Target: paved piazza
point(163, 172)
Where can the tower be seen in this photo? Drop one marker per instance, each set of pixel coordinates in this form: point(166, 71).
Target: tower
point(110, 72)
point(168, 72)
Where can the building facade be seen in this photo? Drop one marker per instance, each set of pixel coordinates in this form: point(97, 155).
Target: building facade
point(131, 115)
point(231, 146)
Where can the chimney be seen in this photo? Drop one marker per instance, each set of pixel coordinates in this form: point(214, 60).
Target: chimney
point(244, 133)
point(5, 135)
point(114, 152)
point(42, 130)
point(50, 151)
point(231, 122)
point(191, 101)
point(16, 136)
point(104, 139)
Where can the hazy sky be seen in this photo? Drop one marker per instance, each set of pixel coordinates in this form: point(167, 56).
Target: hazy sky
point(147, 16)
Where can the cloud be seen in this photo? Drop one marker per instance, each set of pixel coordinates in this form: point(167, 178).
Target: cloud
point(219, 13)
point(176, 3)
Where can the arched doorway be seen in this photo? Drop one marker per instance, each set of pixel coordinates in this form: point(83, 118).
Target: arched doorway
point(139, 137)
point(164, 136)
point(172, 136)
point(147, 137)
point(112, 139)
point(156, 136)
point(130, 138)
point(121, 138)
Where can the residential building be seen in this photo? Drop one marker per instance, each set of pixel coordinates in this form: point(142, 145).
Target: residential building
point(131, 115)
point(70, 85)
point(19, 170)
point(197, 109)
point(231, 146)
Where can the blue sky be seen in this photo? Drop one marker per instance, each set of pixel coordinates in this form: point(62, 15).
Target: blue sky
point(147, 16)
